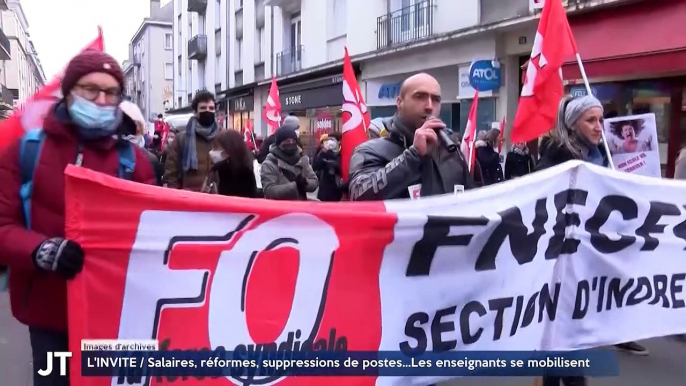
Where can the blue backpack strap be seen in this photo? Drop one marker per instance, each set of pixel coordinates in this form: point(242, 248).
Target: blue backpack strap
point(29, 152)
point(127, 160)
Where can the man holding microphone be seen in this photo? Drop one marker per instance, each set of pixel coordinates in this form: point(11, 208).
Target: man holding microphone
point(411, 161)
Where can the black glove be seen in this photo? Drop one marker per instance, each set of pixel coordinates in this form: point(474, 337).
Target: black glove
point(64, 257)
point(301, 183)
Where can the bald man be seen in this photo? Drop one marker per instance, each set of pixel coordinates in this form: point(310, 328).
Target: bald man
point(410, 157)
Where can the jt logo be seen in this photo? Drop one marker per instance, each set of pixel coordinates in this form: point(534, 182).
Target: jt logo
point(63, 355)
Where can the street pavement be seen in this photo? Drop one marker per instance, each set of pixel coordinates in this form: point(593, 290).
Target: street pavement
point(15, 352)
point(665, 366)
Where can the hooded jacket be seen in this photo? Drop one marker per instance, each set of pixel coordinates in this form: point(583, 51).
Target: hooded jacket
point(278, 175)
point(384, 168)
point(39, 298)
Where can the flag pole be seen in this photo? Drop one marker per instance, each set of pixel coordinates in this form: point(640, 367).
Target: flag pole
point(590, 92)
point(471, 151)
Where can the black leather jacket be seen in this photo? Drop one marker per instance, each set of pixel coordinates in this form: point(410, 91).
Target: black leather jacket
point(383, 168)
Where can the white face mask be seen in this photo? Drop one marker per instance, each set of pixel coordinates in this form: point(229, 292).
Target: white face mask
point(332, 144)
point(216, 156)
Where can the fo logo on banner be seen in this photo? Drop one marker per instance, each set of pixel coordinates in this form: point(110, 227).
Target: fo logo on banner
point(231, 246)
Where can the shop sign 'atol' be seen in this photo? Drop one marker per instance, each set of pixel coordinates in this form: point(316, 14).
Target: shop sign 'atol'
point(569, 258)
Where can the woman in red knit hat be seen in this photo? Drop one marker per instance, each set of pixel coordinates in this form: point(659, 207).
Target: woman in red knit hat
point(80, 129)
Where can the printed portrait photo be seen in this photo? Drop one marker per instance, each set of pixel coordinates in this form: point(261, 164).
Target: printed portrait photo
point(631, 136)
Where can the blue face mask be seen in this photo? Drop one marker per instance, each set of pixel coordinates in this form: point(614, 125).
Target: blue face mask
point(91, 117)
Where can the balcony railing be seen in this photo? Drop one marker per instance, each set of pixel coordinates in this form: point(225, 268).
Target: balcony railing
point(289, 61)
point(5, 47)
point(197, 47)
point(199, 6)
point(406, 24)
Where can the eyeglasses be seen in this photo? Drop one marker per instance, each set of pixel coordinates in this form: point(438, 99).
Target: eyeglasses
point(91, 92)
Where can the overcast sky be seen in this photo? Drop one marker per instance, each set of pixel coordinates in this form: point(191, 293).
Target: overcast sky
point(60, 28)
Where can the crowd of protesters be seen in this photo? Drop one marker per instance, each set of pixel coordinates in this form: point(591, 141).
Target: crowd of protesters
point(92, 127)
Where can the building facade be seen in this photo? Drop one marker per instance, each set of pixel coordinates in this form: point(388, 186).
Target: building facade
point(200, 48)
point(6, 97)
point(149, 70)
point(301, 43)
point(22, 74)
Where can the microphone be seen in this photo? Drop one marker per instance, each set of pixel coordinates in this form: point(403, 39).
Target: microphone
point(445, 139)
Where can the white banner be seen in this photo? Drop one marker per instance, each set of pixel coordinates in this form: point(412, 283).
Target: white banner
point(573, 257)
point(569, 258)
point(633, 144)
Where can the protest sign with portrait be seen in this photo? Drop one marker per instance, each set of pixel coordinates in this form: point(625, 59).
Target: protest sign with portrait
point(633, 143)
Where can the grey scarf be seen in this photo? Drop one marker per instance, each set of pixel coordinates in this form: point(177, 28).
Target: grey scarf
point(190, 154)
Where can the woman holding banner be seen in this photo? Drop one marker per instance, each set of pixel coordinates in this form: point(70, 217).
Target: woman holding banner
point(577, 136)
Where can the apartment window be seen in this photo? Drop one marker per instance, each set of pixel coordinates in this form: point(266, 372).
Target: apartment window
point(217, 14)
point(218, 70)
point(169, 71)
point(189, 81)
point(340, 18)
point(178, 62)
point(239, 54)
point(259, 46)
point(168, 41)
point(218, 42)
point(180, 42)
point(180, 100)
point(296, 38)
point(201, 24)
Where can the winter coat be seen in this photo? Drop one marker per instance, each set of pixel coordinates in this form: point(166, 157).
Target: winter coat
point(489, 161)
point(553, 154)
point(384, 168)
point(174, 175)
point(327, 165)
point(39, 298)
point(278, 176)
point(229, 182)
point(518, 164)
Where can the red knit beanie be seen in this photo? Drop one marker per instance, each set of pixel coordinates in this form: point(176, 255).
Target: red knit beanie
point(88, 62)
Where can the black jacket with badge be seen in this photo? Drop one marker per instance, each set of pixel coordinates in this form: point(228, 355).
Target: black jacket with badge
point(383, 168)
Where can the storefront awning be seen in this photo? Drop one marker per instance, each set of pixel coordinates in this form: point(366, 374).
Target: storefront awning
point(636, 40)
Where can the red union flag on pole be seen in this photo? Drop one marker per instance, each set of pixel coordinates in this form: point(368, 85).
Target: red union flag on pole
point(355, 116)
point(272, 110)
point(543, 89)
point(467, 146)
point(32, 113)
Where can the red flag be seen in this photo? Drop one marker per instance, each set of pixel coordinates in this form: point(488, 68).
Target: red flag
point(500, 137)
point(542, 90)
point(32, 113)
point(354, 110)
point(272, 110)
point(248, 136)
point(467, 146)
